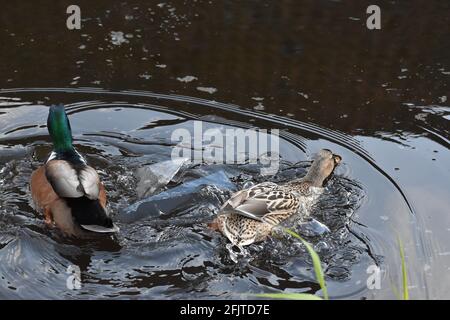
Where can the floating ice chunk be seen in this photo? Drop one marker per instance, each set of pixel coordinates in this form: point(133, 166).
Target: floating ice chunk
point(153, 177)
point(312, 228)
point(304, 95)
point(187, 79)
point(145, 76)
point(167, 201)
point(259, 106)
point(117, 38)
point(421, 116)
point(209, 90)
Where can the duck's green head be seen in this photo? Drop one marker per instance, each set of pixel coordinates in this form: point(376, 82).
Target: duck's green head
point(59, 128)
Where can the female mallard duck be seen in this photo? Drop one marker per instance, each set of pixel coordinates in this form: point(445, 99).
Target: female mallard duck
point(65, 188)
point(250, 214)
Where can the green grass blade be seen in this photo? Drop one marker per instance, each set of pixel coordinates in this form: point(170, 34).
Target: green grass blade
point(404, 273)
point(290, 296)
point(316, 262)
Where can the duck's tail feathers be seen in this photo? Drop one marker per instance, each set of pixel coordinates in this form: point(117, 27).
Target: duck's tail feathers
point(90, 215)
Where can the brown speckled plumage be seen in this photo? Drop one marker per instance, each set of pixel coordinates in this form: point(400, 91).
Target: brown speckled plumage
point(250, 214)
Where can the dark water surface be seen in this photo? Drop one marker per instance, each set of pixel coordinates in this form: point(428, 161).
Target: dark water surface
point(138, 70)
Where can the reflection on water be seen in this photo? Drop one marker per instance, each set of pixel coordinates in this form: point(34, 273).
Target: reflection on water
point(310, 68)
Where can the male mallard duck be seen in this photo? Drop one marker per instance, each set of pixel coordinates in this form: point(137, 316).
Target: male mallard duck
point(65, 188)
point(250, 214)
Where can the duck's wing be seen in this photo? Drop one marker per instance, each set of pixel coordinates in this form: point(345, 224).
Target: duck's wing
point(72, 182)
point(260, 202)
point(83, 192)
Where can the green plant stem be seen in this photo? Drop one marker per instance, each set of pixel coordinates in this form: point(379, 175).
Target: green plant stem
point(316, 262)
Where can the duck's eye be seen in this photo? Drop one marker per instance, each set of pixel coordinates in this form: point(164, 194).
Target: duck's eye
point(337, 159)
